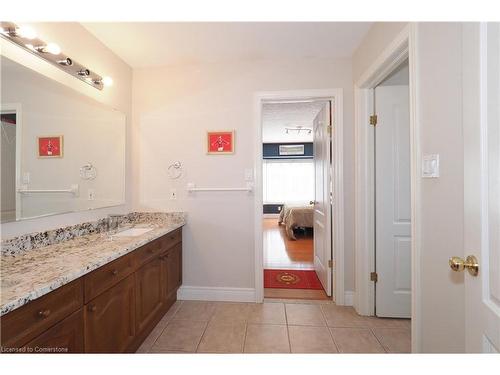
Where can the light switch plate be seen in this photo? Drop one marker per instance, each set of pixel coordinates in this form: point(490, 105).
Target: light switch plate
point(430, 166)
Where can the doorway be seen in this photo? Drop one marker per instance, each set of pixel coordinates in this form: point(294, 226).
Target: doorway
point(297, 242)
point(293, 148)
point(10, 148)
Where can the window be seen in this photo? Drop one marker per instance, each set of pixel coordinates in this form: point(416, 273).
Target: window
point(287, 181)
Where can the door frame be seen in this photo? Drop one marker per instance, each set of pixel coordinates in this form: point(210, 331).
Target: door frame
point(401, 48)
point(337, 226)
point(17, 109)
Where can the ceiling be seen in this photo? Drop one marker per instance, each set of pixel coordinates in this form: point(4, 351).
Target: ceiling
point(276, 117)
point(145, 44)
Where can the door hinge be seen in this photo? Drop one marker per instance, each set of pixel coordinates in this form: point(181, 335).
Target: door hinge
point(330, 263)
point(373, 120)
point(329, 129)
point(373, 276)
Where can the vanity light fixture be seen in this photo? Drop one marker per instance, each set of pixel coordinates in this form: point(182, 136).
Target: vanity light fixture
point(107, 81)
point(26, 38)
point(65, 62)
point(83, 72)
point(51, 48)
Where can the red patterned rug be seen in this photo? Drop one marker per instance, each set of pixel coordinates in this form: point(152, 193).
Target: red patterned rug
point(291, 279)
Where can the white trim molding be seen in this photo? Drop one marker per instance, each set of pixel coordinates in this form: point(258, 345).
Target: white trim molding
point(337, 228)
point(402, 47)
point(203, 293)
point(348, 298)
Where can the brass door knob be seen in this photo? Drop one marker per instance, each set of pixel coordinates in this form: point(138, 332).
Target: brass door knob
point(457, 264)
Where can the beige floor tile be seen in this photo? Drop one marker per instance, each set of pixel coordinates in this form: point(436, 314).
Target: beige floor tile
point(394, 340)
point(311, 340)
point(267, 313)
point(374, 322)
point(200, 311)
point(229, 312)
point(266, 338)
point(356, 340)
point(180, 335)
point(304, 314)
point(223, 338)
point(342, 316)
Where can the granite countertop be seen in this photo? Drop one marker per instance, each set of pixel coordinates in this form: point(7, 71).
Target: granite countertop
point(30, 274)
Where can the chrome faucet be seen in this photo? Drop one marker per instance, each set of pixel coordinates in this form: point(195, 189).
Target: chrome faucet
point(113, 221)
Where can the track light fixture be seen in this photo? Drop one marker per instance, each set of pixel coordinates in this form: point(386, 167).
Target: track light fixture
point(299, 129)
point(26, 38)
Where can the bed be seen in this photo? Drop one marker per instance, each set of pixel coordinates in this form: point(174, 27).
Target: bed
point(296, 216)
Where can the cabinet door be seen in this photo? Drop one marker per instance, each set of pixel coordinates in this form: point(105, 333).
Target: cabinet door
point(110, 319)
point(65, 337)
point(150, 288)
point(174, 269)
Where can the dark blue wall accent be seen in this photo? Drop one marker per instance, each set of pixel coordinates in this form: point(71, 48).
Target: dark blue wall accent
point(271, 151)
point(272, 208)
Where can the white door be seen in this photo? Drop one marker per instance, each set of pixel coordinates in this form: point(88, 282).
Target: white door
point(392, 202)
point(482, 185)
point(322, 205)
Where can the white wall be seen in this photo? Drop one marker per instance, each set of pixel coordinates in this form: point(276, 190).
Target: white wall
point(78, 43)
point(173, 107)
point(439, 110)
point(439, 53)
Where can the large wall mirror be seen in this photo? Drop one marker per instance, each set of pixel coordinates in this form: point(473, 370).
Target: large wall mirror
point(61, 151)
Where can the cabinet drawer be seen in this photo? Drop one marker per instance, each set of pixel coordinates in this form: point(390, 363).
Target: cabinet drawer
point(64, 337)
point(108, 275)
point(148, 252)
point(27, 322)
point(171, 239)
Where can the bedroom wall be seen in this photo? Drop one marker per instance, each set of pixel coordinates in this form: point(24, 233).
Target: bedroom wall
point(173, 107)
point(78, 43)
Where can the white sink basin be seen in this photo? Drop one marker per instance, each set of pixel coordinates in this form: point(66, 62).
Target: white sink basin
point(132, 232)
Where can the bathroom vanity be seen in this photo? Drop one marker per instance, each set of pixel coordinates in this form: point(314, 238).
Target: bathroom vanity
point(102, 292)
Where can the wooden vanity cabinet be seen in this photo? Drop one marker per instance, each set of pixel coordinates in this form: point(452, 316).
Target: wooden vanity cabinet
point(110, 319)
point(150, 288)
point(110, 310)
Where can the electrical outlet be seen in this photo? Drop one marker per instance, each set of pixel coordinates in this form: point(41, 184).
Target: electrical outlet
point(90, 194)
point(173, 194)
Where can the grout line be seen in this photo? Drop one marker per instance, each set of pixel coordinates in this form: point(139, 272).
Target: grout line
point(333, 339)
point(376, 338)
point(201, 337)
point(244, 338)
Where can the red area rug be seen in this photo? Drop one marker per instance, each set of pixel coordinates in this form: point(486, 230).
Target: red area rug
point(291, 279)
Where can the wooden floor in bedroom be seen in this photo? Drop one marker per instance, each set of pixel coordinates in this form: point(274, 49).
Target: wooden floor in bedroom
point(284, 254)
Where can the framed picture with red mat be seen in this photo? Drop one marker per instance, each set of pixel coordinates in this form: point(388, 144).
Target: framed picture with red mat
point(291, 279)
point(220, 142)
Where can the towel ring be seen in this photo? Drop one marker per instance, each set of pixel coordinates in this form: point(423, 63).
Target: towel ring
point(175, 170)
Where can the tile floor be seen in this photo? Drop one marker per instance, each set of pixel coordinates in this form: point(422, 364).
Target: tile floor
point(274, 327)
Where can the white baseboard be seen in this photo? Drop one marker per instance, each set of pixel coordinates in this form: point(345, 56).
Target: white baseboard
point(202, 293)
point(348, 298)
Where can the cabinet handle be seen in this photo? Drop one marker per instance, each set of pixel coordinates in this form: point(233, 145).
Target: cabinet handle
point(43, 313)
point(114, 272)
point(92, 308)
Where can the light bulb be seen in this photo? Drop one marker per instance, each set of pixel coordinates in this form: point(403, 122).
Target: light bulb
point(52, 48)
point(107, 81)
point(26, 32)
